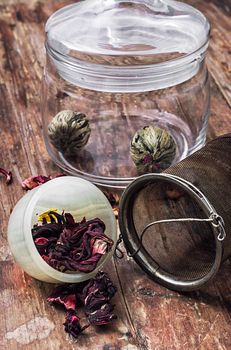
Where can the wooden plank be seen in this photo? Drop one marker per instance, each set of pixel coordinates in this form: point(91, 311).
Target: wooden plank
point(220, 118)
point(169, 320)
point(150, 317)
point(29, 322)
point(219, 53)
point(225, 5)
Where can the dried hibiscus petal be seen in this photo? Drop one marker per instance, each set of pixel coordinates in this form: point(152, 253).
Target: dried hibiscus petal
point(102, 316)
point(101, 283)
point(78, 247)
point(94, 294)
point(64, 290)
point(47, 230)
point(34, 181)
point(70, 222)
point(63, 294)
point(41, 242)
point(45, 257)
point(7, 174)
point(100, 246)
point(72, 324)
point(63, 298)
point(97, 292)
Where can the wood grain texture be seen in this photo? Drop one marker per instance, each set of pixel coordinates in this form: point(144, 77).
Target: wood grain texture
point(149, 316)
point(219, 53)
point(225, 5)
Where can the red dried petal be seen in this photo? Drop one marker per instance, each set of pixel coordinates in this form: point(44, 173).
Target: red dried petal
point(102, 316)
point(97, 292)
point(72, 324)
point(69, 301)
point(94, 294)
point(80, 245)
point(100, 246)
point(8, 175)
point(34, 181)
point(70, 222)
point(47, 230)
point(41, 241)
point(46, 258)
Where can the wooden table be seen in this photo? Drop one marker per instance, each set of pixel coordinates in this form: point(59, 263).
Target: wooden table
point(149, 316)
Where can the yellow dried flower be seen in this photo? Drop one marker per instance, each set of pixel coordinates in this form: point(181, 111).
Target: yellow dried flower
point(47, 215)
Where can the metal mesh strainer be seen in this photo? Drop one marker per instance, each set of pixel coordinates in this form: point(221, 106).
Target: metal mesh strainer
point(173, 223)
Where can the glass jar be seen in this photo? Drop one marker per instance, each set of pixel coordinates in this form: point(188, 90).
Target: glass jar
point(126, 88)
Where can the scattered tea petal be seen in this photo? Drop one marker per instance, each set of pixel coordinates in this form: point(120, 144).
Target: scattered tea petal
point(102, 316)
point(69, 301)
point(34, 181)
point(41, 241)
point(72, 324)
point(97, 292)
point(8, 175)
point(94, 294)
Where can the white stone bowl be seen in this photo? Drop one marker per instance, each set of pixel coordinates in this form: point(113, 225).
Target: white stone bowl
point(71, 194)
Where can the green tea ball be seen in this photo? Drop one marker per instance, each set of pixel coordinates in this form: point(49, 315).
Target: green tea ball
point(69, 131)
point(152, 149)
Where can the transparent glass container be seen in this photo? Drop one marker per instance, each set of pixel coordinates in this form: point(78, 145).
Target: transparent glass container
point(124, 65)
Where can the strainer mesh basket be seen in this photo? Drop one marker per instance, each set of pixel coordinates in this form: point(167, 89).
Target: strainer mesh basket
point(184, 254)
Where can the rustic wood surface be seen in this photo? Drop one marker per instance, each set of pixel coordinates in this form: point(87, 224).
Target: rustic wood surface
point(149, 316)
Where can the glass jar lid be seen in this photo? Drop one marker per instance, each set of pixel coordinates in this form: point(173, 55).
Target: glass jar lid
point(162, 29)
point(98, 43)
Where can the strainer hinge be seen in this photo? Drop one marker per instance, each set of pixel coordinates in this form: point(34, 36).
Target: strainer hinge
point(218, 223)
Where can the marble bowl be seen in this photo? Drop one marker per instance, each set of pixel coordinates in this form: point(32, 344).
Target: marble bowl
point(71, 194)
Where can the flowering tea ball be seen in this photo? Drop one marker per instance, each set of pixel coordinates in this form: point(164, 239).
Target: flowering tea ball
point(152, 149)
point(69, 131)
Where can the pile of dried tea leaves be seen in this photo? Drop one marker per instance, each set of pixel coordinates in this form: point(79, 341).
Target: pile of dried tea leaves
point(93, 295)
point(67, 245)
